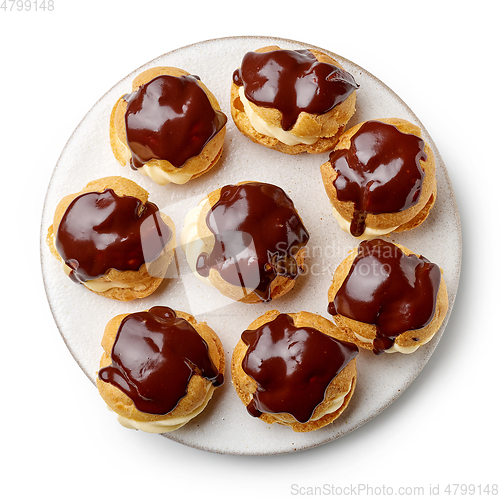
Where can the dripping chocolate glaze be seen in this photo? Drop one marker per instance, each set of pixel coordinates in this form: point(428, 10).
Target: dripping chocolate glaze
point(386, 288)
point(257, 235)
point(293, 81)
point(101, 231)
point(170, 118)
point(380, 172)
point(154, 356)
point(292, 366)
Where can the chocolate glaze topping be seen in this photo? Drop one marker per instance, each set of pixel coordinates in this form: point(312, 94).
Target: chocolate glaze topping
point(170, 118)
point(154, 356)
point(293, 81)
point(292, 366)
point(102, 231)
point(380, 172)
point(257, 235)
point(386, 288)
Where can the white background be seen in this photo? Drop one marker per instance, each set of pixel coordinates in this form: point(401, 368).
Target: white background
point(58, 440)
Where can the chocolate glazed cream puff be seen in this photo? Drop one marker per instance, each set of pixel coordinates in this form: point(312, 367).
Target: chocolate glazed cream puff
point(380, 178)
point(289, 369)
point(112, 240)
point(292, 101)
point(246, 240)
point(159, 368)
point(385, 298)
point(170, 127)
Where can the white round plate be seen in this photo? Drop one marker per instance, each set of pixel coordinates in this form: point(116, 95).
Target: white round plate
point(225, 426)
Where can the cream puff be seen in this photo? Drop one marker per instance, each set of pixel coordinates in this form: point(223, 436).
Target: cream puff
point(289, 369)
point(112, 240)
point(385, 298)
point(292, 101)
point(380, 178)
point(170, 127)
point(159, 368)
point(246, 240)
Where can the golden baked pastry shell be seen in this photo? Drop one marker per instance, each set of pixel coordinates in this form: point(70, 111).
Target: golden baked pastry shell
point(136, 284)
point(279, 286)
point(348, 328)
point(344, 382)
point(198, 387)
point(327, 126)
point(195, 166)
point(403, 220)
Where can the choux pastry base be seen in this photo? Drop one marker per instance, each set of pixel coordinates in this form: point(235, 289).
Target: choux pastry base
point(129, 284)
point(344, 382)
point(195, 166)
point(400, 221)
point(350, 330)
point(328, 127)
point(198, 391)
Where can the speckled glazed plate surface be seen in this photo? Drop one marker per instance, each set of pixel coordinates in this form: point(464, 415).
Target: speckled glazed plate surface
point(225, 426)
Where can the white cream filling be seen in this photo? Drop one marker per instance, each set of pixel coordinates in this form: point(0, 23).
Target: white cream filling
point(363, 339)
point(369, 233)
point(163, 178)
point(191, 243)
point(275, 132)
point(100, 286)
point(395, 347)
point(166, 425)
point(336, 403)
